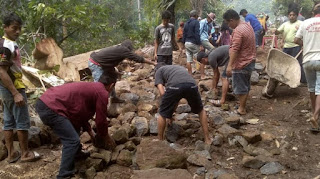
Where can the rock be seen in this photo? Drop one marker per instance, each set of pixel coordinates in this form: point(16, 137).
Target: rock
point(217, 140)
point(134, 98)
point(173, 132)
point(218, 120)
point(130, 146)
point(145, 107)
point(115, 153)
point(233, 121)
point(255, 151)
point(160, 173)
point(3, 151)
point(36, 121)
point(200, 145)
point(129, 107)
point(34, 140)
point(47, 136)
point(136, 140)
point(114, 110)
point(183, 108)
point(126, 117)
point(181, 116)
point(198, 160)
point(124, 158)
point(227, 176)
point(142, 73)
point(267, 136)
point(259, 67)
point(85, 138)
point(130, 129)
point(241, 140)
point(252, 136)
point(91, 173)
point(122, 87)
point(204, 153)
point(252, 162)
point(106, 155)
point(145, 114)
point(146, 96)
point(205, 85)
point(97, 164)
point(120, 136)
point(254, 78)
point(151, 154)
point(114, 122)
point(271, 168)
point(201, 171)
point(141, 125)
point(118, 172)
point(227, 131)
point(211, 174)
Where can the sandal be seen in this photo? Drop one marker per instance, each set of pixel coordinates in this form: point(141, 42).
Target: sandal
point(315, 130)
point(36, 156)
point(237, 112)
point(216, 103)
point(15, 159)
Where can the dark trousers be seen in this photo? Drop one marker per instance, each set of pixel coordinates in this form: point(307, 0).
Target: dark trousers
point(294, 52)
point(63, 128)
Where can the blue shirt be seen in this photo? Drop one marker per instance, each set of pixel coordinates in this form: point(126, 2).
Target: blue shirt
point(204, 29)
point(253, 22)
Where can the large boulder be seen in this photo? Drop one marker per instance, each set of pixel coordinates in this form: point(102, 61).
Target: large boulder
point(158, 154)
point(141, 125)
point(160, 173)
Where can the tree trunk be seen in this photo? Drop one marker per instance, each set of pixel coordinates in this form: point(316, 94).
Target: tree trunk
point(198, 5)
point(171, 10)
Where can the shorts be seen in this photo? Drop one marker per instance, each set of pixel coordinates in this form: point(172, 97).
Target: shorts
point(207, 45)
point(14, 117)
point(191, 51)
point(241, 79)
point(174, 94)
point(224, 73)
point(312, 71)
point(167, 59)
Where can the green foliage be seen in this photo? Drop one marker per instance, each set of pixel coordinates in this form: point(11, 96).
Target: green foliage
point(280, 7)
point(143, 34)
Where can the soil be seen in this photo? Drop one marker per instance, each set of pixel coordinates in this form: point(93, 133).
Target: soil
point(284, 117)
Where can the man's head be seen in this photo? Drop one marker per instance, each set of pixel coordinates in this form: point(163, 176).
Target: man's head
point(211, 17)
point(12, 26)
point(202, 57)
point(108, 79)
point(128, 44)
point(232, 18)
point(194, 14)
point(293, 12)
point(243, 12)
point(316, 9)
point(216, 29)
point(181, 24)
point(166, 16)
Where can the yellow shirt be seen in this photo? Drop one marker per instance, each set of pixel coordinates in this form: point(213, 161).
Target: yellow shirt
point(263, 22)
point(289, 31)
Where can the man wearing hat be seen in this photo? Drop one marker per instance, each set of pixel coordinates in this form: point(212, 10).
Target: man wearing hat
point(205, 28)
point(217, 58)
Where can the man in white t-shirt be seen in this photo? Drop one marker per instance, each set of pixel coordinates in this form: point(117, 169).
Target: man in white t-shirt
point(308, 36)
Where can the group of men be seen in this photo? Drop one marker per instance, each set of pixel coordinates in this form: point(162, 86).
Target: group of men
point(68, 108)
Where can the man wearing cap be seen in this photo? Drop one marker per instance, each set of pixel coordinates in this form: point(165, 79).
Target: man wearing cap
point(252, 19)
point(205, 28)
point(217, 58)
point(191, 38)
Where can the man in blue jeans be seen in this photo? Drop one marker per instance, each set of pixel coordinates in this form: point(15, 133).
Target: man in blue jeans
point(68, 108)
point(108, 58)
point(179, 84)
point(254, 22)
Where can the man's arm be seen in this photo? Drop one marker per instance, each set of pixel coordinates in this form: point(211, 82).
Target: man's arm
point(233, 57)
point(149, 62)
point(7, 82)
point(298, 41)
point(156, 44)
point(161, 89)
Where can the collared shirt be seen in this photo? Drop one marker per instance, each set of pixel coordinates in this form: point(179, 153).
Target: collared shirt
point(253, 22)
point(78, 102)
point(243, 43)
point(204, 30)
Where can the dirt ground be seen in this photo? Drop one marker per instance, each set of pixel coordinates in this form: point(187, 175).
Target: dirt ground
point(284, 118)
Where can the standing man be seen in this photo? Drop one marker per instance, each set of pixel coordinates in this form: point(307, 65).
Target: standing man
point(68, 108)
point(257, 28)
point(191, 38)
point(217, 58)
point(205, 28)
point(108, 58)
point(179, 84)
point(12, 92)
point(165, 40)
point(242, 57)
point(308, 36)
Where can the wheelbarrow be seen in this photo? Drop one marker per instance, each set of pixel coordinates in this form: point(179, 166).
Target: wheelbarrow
point(283, 67)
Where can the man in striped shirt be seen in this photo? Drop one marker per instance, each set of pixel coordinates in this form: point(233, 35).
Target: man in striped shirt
point(242, 54)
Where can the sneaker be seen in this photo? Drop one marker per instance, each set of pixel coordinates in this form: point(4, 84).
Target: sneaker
point(83, 154)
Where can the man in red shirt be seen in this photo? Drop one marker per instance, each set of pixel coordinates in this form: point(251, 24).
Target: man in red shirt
point(68, 108)
point(242, 57)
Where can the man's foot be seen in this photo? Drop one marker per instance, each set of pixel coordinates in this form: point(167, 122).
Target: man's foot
point(32, 157)
point(16, 156)
point(117, 100)
point(237, 111)
point(217, 103)
point(82, 154)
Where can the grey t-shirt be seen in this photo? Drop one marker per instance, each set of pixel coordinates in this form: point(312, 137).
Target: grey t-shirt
point(219, 56)
point(164, 36)
point(171, 75)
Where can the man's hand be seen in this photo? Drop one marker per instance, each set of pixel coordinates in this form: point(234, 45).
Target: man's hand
point(229, 71)
point(110, 143)
point(18, 99)
point(155, 57)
